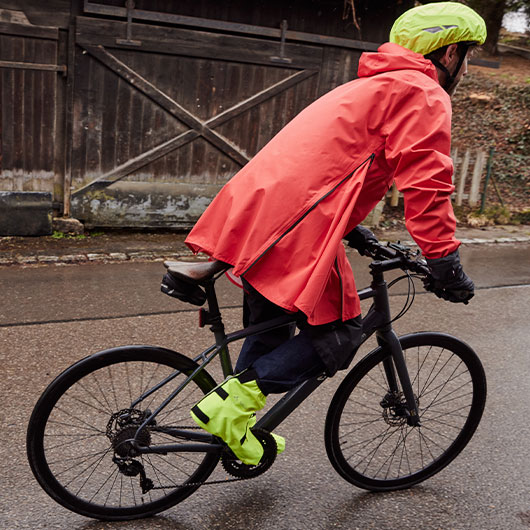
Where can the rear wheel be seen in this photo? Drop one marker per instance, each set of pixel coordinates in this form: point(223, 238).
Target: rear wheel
point(78, 439)
point(368, 438)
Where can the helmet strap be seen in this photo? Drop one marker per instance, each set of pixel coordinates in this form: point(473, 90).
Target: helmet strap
point(450, 77)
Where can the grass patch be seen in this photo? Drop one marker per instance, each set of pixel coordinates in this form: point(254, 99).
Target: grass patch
point(522, 217)
point(63, 235)
point(493, 215)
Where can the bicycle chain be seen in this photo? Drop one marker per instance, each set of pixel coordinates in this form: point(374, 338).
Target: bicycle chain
point(205, 483)
point(191, 484)
point(224, 481)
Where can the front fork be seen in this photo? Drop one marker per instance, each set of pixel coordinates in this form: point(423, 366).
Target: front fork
point(396, 368)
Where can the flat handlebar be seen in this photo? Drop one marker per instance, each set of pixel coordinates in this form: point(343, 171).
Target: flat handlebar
point(403, 257)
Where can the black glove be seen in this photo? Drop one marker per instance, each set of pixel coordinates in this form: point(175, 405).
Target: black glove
point(360, 239)
point(449, 281)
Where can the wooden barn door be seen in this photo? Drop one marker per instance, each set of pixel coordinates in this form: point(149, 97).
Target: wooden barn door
point(31, 151)
point(163, 117)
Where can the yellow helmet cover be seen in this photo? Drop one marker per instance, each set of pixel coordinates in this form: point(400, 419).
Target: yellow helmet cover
point(428, 27)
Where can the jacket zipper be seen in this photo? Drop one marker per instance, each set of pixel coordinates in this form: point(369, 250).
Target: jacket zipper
point(300, 219)
point(341, 288)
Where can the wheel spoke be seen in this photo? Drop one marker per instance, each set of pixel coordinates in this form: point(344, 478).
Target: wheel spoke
point(434, 404)
point(445, 383)
point(377, 448)
point(80, 435)
point(453, 413)
point(76, 418)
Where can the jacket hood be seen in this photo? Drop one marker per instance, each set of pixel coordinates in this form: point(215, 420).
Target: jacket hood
point(390, 57)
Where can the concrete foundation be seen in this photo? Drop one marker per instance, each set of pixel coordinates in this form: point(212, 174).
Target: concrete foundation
point(25, 213)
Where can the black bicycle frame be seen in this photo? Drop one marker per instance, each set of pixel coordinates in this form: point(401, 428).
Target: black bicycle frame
point(377, 320)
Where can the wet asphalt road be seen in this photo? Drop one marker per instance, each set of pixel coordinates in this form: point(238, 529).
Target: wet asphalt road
point(52, 316)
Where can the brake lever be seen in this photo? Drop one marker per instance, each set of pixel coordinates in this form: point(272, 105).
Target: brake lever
point(400, 248)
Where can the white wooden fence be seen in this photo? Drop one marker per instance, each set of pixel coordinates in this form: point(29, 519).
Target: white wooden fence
point(469, 168)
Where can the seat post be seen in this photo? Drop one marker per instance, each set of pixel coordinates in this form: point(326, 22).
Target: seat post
point(217, 327)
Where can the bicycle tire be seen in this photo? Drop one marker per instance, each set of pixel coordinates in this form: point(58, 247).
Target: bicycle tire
point(366, 443)
point(73, 432)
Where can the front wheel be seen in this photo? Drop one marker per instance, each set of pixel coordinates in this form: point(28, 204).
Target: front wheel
point(79, 434)
point(368, 439)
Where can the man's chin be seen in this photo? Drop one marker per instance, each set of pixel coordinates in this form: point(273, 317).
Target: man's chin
point(452, 89)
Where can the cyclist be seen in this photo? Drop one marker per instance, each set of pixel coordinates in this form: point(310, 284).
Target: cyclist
point(280, 221)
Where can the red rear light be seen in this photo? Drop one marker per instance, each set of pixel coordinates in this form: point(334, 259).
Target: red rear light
point(202, 317)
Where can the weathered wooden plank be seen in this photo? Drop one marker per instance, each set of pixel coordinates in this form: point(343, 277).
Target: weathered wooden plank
point(197, 160)
point(53, 107)
point(220, 97)
point(27, 119)
point(18, 115)
point(79, 117)
point(198, 148)
point(49, 13)
point(69, 120)
point(462, 178)
point(38, 32)
point(8, 107)
point(249, 29)
point(477, 176)
point(252, 118)
point(126, 168)
point(44, 107)
point(59, 148)
point(137, 81)
point(137, 131)
point(185, 80)
point(266, 113)
point(40, 108)
point(136, 163)
point(339, 67)
point(260, 97)
point(94, 112)
point(245, 128)
point(166, 102)
point(190, 43)
point(108, 121)
point(456, 160)
point(33, 66)
point(124, 105)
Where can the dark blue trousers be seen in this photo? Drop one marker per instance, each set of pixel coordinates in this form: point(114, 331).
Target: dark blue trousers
point(281, 360)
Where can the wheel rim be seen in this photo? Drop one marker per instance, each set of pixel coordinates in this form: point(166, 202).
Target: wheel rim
point(374, 437)
point(81, 438)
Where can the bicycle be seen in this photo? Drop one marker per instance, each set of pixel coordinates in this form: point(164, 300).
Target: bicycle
point(111, 437)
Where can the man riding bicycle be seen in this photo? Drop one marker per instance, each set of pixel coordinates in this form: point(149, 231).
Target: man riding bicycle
point(280, 221)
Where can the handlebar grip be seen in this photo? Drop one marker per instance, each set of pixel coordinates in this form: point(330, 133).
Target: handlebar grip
point(377, 250)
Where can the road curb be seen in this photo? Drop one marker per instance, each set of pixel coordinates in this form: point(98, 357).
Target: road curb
point(185, 254)
point(96, 257)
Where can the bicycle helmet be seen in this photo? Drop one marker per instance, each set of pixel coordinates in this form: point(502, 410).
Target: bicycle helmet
point(427, 28)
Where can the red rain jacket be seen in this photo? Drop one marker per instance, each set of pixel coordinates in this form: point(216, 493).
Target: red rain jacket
point(281, 219)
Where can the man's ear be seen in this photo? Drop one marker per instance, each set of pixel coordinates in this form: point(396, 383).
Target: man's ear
point(450, 53)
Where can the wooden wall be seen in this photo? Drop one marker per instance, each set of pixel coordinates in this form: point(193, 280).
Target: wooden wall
point(29, 99)
point(141, 124)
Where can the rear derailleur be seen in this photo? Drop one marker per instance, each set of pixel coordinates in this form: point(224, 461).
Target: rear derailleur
point(122, 430)
point(132, 468)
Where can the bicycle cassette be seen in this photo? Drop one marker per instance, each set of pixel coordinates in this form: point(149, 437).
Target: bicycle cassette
point(238, 469)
